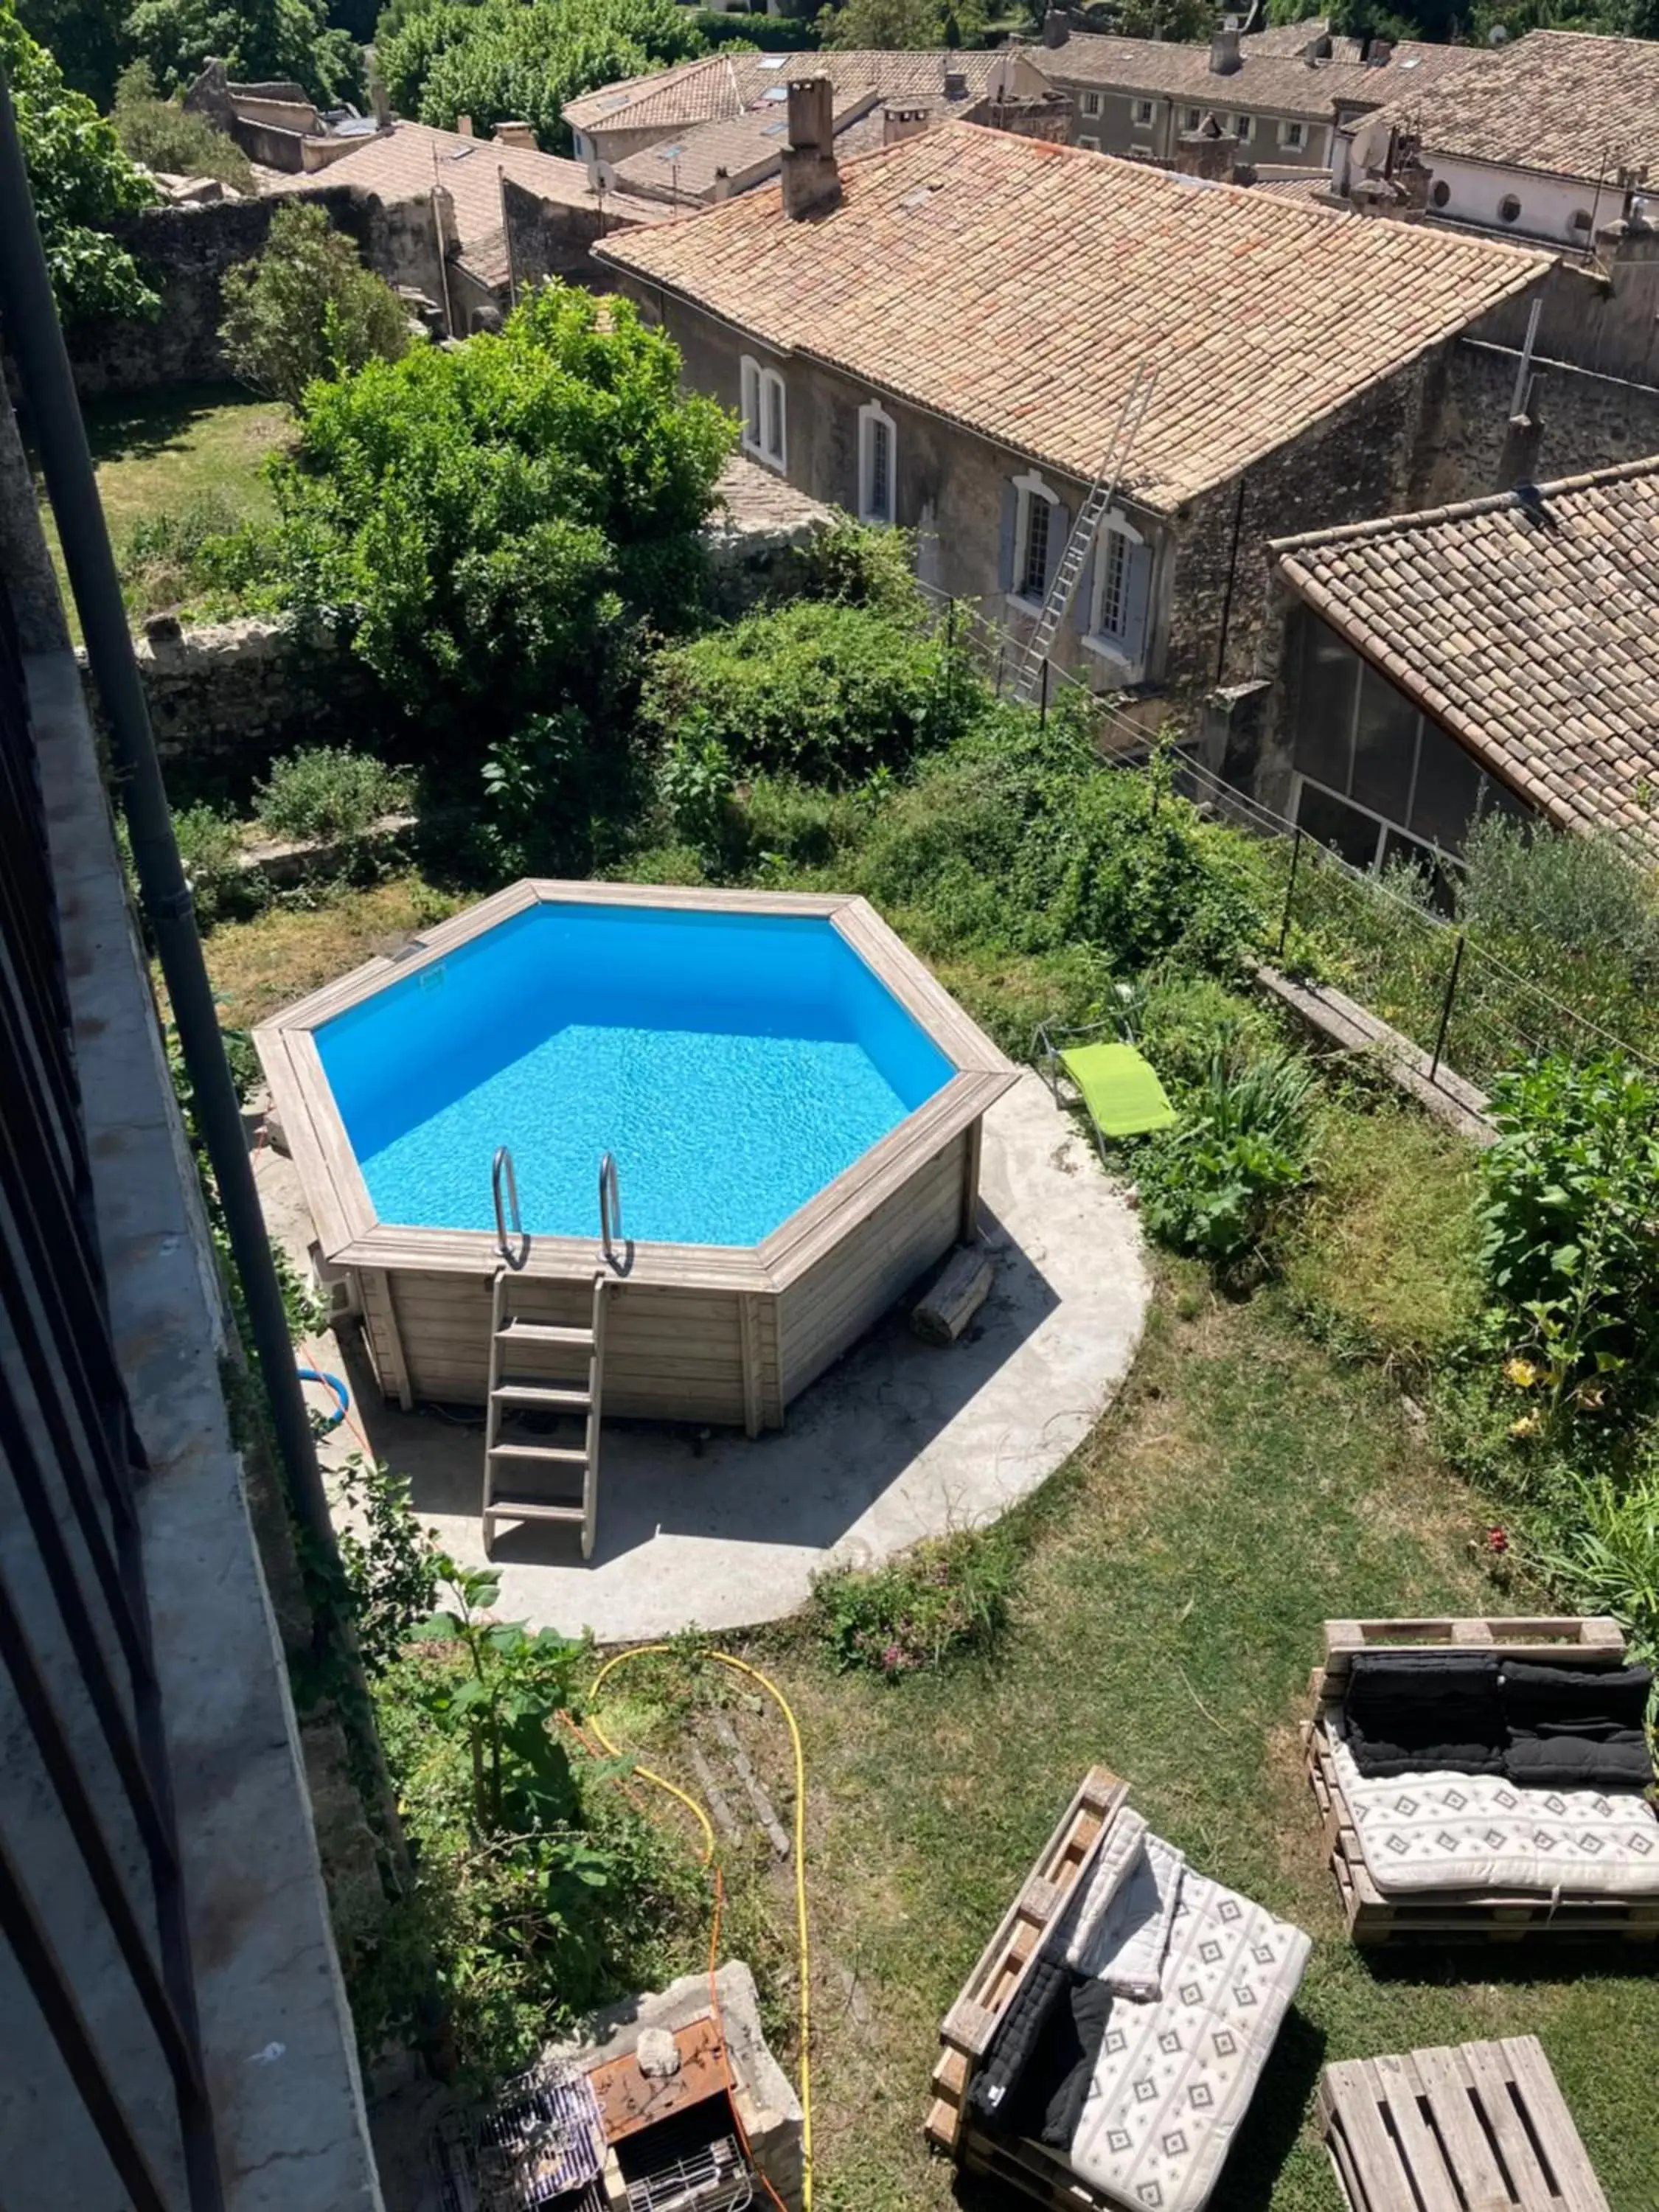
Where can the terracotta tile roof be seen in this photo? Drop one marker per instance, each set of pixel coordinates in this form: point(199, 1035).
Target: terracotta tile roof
point(1015, 285)
point(400, 164)
point(1280, 83)
point(1562, 101)
point(1416, 59)
point(1311, 189)
point(742, 145)
point(721, 86)
point(1528, 624)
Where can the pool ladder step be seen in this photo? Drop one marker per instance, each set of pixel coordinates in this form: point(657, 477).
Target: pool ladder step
point(510, 1463)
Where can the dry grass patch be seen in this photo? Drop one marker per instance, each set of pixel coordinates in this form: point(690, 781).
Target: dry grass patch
point(260, 966)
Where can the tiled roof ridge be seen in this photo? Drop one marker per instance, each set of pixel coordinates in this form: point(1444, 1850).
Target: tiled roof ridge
point(1463, 510)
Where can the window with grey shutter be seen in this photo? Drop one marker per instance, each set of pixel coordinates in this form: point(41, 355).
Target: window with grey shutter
point(1034, 566)
point(1006, 532)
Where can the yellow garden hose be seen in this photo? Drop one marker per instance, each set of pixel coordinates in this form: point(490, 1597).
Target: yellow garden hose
point(743, 1667)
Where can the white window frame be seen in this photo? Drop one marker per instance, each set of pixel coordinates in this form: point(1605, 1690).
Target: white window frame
point(1193, 118)
point(1026, 489)
point(1293, 135)
point(1109, 644)
point(760, 387)
point(1090, 104)
point(1089, 145)
point(1244, 129)
point(1142, 112)
point(871, 416)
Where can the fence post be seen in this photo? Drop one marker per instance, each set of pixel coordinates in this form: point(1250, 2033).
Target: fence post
point(1446, 1007)
point(1043, 707)
point(1001, 650)
point(1290, 893)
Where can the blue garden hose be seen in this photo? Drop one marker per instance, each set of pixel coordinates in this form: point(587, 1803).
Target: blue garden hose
point(329, 1383)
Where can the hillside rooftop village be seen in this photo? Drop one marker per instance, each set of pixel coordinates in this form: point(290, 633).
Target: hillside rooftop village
point(829, 1139)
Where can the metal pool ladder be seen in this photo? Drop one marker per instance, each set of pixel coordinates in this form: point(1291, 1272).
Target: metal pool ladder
point(539, 1367)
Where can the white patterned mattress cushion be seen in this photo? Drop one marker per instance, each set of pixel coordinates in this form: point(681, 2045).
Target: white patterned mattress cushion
point(1441, 1830)
point(1174, 2077)
point(1119, 1851)
point(1129, 1944)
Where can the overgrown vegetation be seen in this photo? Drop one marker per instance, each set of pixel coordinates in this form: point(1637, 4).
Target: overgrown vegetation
point(306, 307)
point(931, 1605)
point(329, 793)
point(167, 136)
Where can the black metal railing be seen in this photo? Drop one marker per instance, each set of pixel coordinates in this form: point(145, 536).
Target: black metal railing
point(70, 1449)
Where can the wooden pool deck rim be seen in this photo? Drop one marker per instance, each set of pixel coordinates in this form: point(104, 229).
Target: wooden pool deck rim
point(351, 1235)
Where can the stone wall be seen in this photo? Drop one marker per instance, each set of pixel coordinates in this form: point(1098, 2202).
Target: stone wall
point(183, 252)
point(1586, 422)
point(551, 238)
point(227, 698)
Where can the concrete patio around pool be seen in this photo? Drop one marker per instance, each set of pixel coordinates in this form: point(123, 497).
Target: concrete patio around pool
point(899, 1440)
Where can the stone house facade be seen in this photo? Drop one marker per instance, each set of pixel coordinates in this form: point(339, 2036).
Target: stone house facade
point(940, 421)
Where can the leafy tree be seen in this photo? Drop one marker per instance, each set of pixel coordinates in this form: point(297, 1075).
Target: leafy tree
point(306, 307)
point(256, 40)
point(505, 60)
point(496, 524)
point(80, 180)
point(85, 38)
point(166, 136)
point(893, 24)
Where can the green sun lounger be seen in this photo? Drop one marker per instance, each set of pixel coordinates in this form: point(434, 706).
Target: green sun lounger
point(1118, 1086)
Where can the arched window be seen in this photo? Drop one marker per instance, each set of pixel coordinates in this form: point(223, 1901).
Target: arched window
point(877, 465)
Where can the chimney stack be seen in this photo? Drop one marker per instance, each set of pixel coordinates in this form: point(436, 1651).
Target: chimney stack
point(464, 125)
point(516, 134)
point(1225, 56)
point(1056, 27)
point(379, 102)
point(1208, 152)
point(898, 123)
point(811, 178)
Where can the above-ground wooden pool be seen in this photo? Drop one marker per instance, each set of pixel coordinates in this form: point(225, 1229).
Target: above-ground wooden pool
point(792, 1104)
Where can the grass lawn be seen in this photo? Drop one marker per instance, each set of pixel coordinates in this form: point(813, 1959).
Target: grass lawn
point(1245, 1487)
point(159, 453)
point(1248, 1484)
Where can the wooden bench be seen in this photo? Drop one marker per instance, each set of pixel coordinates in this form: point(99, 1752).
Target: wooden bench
point(971, 2024)
point(1478, 2124)
point(1495, 1917)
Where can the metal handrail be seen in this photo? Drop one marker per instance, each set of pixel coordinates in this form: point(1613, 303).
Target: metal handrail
point(610, 1221)
point(501, 1171)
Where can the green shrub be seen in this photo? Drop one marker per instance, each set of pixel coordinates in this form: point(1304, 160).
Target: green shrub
point(165, 136)
point(210, 847)
point(1181, 1021)
point(306, 307)
point(859, 564)
point(494, 528)
point(1607, 1554)
point(329, 793)
point(1571, 1240)
point(826, 690)
point(697, 785)
point(947, 1597)
point(1580, 898)
point(1214, 1184)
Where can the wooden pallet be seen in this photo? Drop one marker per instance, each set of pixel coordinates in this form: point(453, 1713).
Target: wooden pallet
point(972, 2021)
point(1464, 1916)
point(1478, 2124)
point(1590, 1640)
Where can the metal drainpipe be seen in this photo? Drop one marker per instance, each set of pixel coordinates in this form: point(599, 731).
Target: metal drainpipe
point(32, 330)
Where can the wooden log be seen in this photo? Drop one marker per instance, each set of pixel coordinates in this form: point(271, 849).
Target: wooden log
point(962, 1289)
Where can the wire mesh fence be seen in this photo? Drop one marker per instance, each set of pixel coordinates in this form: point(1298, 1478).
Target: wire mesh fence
point(1394, 942)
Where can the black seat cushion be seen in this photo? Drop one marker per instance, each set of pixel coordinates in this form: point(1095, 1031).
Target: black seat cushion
point(1409, 1712)
point(1541, 1695)
point(992, 2091)
point(1619, 1759)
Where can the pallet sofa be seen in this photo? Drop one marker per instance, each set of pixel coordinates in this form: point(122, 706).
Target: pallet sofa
point(1175, 2063)
point(1605, 1888)
point(1480, 2125)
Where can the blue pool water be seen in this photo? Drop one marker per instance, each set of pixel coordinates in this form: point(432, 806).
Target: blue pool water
point(734, 1064)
